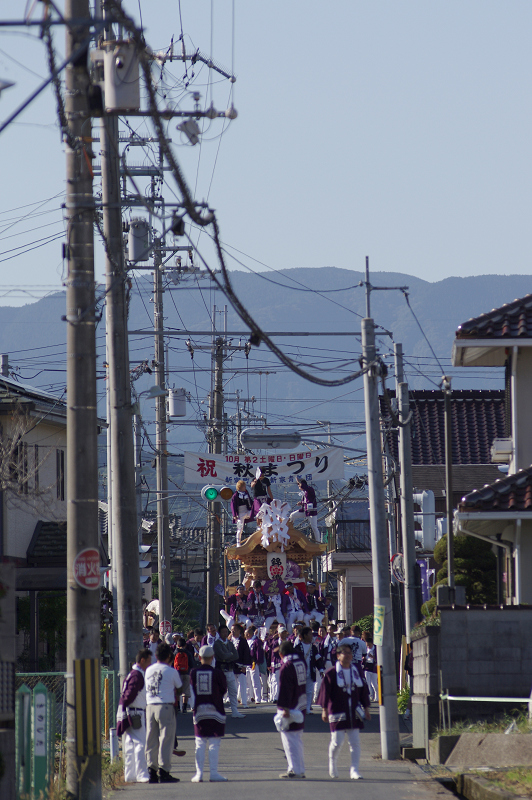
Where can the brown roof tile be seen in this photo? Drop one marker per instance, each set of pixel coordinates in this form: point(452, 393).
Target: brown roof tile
point(512, 493)
point(510, 321)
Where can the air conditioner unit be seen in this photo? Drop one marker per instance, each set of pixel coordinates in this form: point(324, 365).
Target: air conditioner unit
point(501, 450)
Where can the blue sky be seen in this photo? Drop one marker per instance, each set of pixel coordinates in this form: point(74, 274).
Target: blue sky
point(398, 130)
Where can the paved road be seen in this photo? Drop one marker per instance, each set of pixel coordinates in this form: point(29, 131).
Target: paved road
point(251, 751)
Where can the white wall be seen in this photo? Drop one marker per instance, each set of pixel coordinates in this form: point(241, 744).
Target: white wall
point(22, 511)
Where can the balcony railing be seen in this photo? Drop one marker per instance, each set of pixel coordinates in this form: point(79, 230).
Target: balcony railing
point(350, 536)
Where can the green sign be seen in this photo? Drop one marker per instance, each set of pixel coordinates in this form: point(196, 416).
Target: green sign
point(378, 624)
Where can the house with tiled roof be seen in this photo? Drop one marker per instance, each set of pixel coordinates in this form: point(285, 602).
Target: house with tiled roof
point(501, 512)
point(478, 418)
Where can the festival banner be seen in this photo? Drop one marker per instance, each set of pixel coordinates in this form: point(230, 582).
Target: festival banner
point(279, 468)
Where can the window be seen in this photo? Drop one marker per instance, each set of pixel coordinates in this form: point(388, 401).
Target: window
point(60, 473)
point(19, 467)
point(353, 535)
point(36, 468)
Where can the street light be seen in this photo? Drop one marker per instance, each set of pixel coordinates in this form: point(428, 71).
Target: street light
point(268, 439)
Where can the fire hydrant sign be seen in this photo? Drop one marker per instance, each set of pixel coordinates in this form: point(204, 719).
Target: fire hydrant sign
point(86, 568)
point(165, 627)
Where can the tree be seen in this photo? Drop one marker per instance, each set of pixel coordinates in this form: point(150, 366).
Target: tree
point(475, 567)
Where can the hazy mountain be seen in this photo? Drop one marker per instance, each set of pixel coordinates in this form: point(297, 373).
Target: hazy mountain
point(440, 307)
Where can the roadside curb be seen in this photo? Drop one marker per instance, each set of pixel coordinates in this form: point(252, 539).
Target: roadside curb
point(473, 787)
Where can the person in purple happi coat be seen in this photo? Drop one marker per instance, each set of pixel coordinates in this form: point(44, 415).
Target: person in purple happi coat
point(308, 507)
point(210, 685)
point(241, 509)
point(131, 720)
point(343, 690)
point(295, 606)
point(292, 697)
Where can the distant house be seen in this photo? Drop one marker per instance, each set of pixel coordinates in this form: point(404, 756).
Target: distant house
point(501, 512)
point(33, 487)
point(32, 465)
point(349, 557)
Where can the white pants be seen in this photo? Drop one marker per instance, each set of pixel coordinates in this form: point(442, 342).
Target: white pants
point(242, 688)
point(274, 686)
point(231, 691)
point(293, 749)
point(337, 740)
point(317, 686)
point(231, 620)
point(268, 622)
point(243, 515)
point(254, 685)
point(373, 685)
point(213, 743)
point(133, 751)
point(294, 616)
point(295, 516)
point(316, 615)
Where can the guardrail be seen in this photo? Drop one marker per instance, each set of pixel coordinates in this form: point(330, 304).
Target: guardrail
point(446, 699)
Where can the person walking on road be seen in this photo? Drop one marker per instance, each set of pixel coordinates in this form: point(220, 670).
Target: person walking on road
point(291, 707)
point(313, 662)
point(162, 680)
point(226, 658)
point(210, 685)
point(131, 721)
point(344, 699)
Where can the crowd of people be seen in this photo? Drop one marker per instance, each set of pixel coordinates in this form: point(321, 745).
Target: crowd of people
point(244, 666)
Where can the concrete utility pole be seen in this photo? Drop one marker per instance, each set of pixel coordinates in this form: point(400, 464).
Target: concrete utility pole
point(407, 498)
point(389, 724)
point(215, 509)
point(163, 527)
point(122, 468)
point(83, 742)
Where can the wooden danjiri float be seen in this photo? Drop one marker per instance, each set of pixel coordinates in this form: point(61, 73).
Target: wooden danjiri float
point(276, 551)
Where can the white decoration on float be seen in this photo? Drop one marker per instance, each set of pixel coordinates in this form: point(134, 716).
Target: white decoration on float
point(274, 519)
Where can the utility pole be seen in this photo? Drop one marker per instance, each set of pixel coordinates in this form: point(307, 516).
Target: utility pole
point(389, 725)
point(83, 772)
point(407, 498)
point(215, 509)
point(163, 527)
point(124, 511)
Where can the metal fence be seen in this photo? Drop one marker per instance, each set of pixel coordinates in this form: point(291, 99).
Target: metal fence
point(55, 682)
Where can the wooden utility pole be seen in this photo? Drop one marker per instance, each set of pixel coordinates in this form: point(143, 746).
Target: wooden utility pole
point(163, 527)
point(122, 467)
point(83, 740)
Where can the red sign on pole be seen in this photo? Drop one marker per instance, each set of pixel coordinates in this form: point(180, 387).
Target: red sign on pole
point(165, 627)
point(86, 568)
